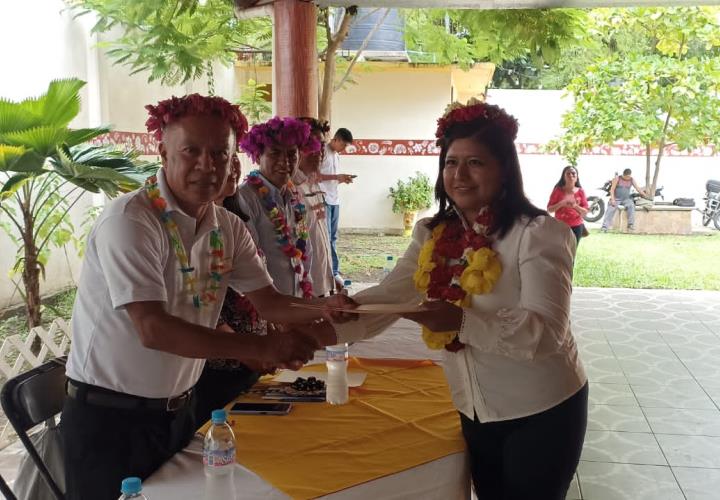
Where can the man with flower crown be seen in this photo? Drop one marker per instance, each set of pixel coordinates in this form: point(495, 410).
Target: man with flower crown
point(276, 208)
point(157, 265)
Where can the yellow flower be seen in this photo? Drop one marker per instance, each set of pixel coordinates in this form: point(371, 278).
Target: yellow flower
point(478, 260)
point(437, 231)
point(437, 340)
point(426, 253)
point(421, 279)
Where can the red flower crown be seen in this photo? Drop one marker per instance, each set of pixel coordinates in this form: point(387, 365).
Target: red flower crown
point(170, 110)
point(481, 112)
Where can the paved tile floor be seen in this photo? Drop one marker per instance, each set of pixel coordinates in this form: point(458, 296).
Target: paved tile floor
point(653, 359)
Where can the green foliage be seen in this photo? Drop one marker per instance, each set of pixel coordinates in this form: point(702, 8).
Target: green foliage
point(412, 195)
point(254, 102)
point(45, 167)
point(468, 36)
point(174, 41)
point(665, 93)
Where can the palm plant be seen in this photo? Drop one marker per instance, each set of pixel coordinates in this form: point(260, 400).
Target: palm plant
point(47, 167)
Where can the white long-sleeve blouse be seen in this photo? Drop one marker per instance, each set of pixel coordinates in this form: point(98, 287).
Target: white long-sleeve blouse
point(520, 357)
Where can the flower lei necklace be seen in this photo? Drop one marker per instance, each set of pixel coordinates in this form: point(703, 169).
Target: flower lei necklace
point(212, 285)
point(295, 251)
point(454, 264)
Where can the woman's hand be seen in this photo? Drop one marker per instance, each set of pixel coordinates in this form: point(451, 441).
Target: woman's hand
point(339, 301)
point(438, 316)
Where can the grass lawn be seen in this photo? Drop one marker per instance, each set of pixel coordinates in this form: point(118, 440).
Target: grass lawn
point(603, 260)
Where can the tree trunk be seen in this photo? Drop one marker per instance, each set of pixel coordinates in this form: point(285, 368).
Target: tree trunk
point(648, 163)
point(31, 273)
point(334, 42)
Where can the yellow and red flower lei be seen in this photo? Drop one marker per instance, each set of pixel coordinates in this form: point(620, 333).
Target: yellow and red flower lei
point(454, 264)
point(297, 251)
point(217, 265)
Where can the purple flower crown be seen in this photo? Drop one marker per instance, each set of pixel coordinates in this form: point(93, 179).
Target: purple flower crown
point(278, 131)
point(170, 110)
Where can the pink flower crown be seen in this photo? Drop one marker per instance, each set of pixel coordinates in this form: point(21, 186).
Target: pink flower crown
point(170, 110)
point(278, 131)
point(476, 111)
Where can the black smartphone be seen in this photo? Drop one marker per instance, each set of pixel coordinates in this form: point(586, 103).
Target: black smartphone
point(260, 408)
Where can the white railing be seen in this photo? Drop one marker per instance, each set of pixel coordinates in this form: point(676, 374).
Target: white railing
point(17, 357)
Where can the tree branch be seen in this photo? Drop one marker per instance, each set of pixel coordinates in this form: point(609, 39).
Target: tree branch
point(60, 220)
point(329, 75)
point(360, 50)
point(13, 219)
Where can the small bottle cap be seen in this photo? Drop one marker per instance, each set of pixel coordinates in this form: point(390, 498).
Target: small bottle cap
point(131, 486)
point(347, 283)
point(218, 416)
point(389, 257)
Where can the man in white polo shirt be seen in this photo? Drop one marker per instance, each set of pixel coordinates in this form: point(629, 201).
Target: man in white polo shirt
point(157, 265)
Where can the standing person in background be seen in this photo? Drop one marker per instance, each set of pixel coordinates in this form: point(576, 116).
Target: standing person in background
point(620, 195)
point(568, 201)
point(330, 178)
point(307, 182)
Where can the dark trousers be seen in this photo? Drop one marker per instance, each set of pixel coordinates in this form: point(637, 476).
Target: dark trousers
point(332, 213)
point(217, 387)
point(578, 232)
point(103, 446)
point(527, 458)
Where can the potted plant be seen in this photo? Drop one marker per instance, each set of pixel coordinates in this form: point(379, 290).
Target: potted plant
point(411, 196)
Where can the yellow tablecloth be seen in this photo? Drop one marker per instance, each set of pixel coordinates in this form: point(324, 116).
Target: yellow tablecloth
point(401, 417)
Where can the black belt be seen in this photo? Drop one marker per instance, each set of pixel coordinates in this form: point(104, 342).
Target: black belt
point(99, 396)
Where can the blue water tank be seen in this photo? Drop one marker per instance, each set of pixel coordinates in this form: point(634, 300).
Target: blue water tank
point(389, 37)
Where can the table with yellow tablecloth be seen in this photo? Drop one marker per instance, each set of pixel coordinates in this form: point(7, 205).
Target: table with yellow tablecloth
point(399, 433)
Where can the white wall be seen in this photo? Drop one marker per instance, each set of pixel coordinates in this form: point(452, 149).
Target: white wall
point(400, 104)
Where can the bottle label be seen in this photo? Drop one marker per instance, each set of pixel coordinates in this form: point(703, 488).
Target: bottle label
point(336, 354)
point(219, 458)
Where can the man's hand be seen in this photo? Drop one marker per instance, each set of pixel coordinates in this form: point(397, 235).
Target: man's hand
point(285, 350)
point(344, 178)
point(439, 316)
point(613, 202)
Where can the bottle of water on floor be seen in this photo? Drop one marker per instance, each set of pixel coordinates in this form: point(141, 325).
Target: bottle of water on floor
point(336, 389)
point(219, 458)
point(131, 487)
point(348, 288)
point(389, 265)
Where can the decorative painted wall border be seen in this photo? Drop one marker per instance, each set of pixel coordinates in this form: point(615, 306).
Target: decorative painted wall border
point(145, 143)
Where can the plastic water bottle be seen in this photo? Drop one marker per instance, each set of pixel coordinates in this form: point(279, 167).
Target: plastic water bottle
point(219, 458)
point(131, 487)
point(347, 287)
point(336, 389)
point(389, 264)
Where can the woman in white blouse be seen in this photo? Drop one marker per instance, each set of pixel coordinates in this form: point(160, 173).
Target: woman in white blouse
point(510, 358)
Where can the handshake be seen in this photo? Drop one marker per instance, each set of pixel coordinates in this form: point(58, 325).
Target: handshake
point(291, 345)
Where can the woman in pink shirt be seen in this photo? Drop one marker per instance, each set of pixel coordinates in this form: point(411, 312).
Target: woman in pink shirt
point(568, 202)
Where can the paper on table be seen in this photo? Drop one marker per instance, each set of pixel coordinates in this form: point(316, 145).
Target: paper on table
point(355, 379)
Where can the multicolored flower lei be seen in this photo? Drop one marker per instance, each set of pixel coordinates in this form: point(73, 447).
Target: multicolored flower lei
point(454, 264)
point(212, 285)
point(296, 251)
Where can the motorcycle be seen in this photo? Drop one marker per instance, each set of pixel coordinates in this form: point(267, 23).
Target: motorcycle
point(711, 211)
point(597, 205)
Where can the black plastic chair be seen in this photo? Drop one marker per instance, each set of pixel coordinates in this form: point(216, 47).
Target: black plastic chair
point(31, 398)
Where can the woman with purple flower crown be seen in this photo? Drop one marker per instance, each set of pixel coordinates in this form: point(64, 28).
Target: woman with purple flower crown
point(495, 273)
point(277, 214)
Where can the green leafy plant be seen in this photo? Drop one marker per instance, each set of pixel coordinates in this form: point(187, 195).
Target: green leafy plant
point(412, 195)
point(45, 168)
point(254, 102)
point(665, 95)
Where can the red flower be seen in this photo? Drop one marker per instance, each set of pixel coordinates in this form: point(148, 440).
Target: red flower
point(441, 275)
point(454, 293)
point(435, 291)
point(457, 269)
point(450, 249)
point(477, 241)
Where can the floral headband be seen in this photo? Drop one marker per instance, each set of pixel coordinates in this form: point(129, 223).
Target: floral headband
point(287, 132)
point(476, 111)
point(316, 125)
point(170, 110)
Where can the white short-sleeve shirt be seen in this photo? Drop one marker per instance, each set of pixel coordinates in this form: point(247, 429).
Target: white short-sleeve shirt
point(330, 166)
point(129, 259)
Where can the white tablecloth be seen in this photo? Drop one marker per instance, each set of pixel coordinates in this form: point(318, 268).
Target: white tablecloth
point(448, 478)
